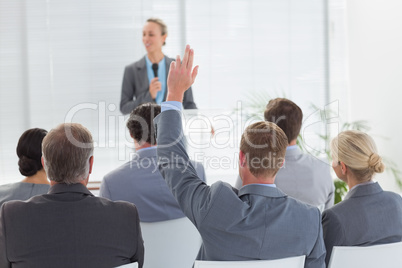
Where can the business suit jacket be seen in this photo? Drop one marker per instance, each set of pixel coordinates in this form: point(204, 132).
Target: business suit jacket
point(69, 227)
point(257, 222)
point(21, 191)
point(140, 182)
point(367, 216)
point(305, 178)
point(135, 87)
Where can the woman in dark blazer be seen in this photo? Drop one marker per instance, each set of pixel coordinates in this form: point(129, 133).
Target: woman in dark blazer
point(140, 85)
point(367, 215)
point(29, 151)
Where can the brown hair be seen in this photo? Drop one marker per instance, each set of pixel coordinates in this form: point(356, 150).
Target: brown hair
point(66, 152)
point(286, 114)
point(162, 25)
point(359, 153)
point(140, 123)
point(264, 145)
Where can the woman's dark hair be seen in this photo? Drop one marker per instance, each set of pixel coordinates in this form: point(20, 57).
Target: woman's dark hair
point(29, 151)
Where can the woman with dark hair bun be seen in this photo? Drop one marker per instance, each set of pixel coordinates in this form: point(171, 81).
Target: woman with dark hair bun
point(29, 151)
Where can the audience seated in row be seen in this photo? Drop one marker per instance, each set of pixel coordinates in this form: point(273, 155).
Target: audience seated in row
point(69, 227)
point(367, 215)
point(29, 151)
point(139, 181)
point(302, 176)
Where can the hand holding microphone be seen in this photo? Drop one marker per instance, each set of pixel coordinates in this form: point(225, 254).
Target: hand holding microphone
point(155, 86)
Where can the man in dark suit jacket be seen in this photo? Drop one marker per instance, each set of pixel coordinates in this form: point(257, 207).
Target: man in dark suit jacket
point(258, 222)
point(69, 227)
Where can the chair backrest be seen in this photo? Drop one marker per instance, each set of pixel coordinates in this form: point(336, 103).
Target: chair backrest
point(130, 265)
point(291, 262)
point(384, 256)
point(170, 244)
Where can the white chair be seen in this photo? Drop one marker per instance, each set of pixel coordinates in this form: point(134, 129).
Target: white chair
point(383, 256)
point(130, 265)
point(291, 262)
point(170, 244)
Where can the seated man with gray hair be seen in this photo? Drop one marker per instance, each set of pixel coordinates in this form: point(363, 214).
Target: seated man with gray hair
point(68, 226)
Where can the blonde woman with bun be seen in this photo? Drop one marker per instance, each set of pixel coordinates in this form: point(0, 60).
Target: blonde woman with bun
point(367, 215)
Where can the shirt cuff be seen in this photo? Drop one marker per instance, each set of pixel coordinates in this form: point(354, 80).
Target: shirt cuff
point(171, 105)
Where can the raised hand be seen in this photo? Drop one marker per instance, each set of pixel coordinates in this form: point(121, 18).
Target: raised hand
point(181, 76)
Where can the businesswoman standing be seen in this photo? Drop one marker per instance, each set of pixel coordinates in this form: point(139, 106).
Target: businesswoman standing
point(145, 80)
point(368, 215)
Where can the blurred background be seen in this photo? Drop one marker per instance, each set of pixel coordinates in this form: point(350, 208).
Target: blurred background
point(340, 61)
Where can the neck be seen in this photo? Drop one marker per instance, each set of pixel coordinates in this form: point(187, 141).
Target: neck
point(249, 178)
point(156, 57)
point(139, 146)
point(352, 182)
point(83, 182)
point(293, 142)
point(39, 178)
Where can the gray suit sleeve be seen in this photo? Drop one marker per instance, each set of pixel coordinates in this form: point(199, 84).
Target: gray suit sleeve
point(130, 99)
point(192, 194)
point(104, 190)
point(316, 258)
point(3, 249)
point(333, 232)
point(188, 100)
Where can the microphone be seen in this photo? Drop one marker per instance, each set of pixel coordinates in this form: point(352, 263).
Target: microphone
point(155, 69)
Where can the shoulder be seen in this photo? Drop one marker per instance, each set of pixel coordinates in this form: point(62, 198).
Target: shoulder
point(340, 210)
point(16, 206)
point(118, 207)
point(137, 64)
point(303, 208)
point(119, 172)
point(169, 60)
point(5, 188)
point(391, 197)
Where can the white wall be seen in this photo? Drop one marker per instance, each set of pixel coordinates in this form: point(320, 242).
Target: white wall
point(375, 73)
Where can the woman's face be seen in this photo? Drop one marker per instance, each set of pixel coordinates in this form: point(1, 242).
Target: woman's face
point(152, 37)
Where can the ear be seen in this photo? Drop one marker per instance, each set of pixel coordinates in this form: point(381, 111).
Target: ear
point(91, 162)
point(42, 161)
point(283, 163)
point(164, 37)
point(242, 159)
point(343, 168)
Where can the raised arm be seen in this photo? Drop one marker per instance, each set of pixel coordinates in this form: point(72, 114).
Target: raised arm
point(192, 194)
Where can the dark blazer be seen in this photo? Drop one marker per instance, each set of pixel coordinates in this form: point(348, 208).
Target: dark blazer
point(135, 87)
point(256, 223)
point(69, 227)
point(368, 216)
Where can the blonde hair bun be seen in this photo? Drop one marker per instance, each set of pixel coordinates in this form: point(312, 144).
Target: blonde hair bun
point(375, 163)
